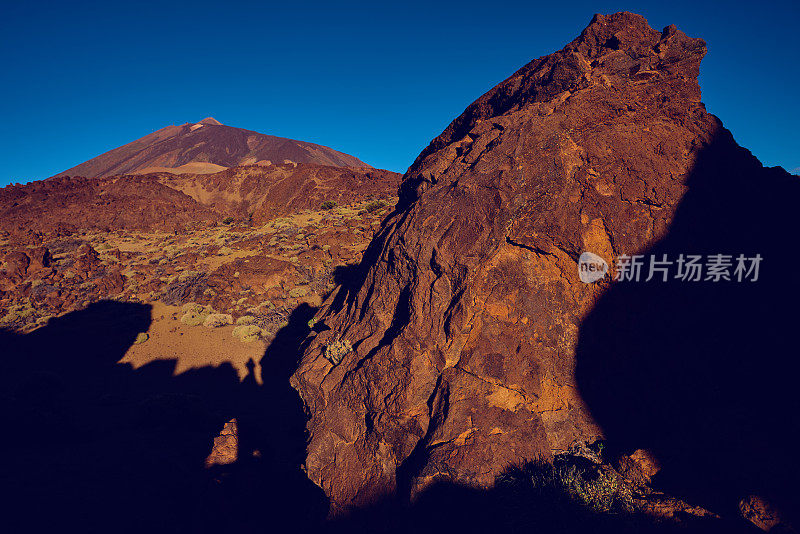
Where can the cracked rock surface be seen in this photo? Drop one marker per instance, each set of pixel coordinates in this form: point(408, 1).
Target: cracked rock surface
point(464, 317)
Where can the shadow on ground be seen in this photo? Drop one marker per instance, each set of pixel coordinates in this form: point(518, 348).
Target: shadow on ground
point(705, 373)
point(94, 446)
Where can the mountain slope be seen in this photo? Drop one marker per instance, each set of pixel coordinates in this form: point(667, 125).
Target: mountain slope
point(207, 142)
point(166, 201)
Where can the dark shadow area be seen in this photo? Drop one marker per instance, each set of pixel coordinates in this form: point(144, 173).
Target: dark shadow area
point(516, 506)
point(91, 445)
point(705, 373)
point(352, 277)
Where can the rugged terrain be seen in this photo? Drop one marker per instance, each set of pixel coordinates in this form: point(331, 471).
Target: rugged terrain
point(467, 343)
point(250, 240)
point(455, 373)
point(206, 147)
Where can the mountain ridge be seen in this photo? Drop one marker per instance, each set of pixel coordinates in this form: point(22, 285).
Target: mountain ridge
point(206, 142)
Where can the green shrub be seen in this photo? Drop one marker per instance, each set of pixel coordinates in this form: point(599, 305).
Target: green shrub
point(228, 220)
point(327, 205)
point(245, 319)
point(141, 337)
point(247, 333)
point(374, 206)
point(215, 320)
point(298, 292)
point(573, 479)
point(193, 318)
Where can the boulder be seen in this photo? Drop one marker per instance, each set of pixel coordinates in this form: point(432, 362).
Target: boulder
point(464, 316)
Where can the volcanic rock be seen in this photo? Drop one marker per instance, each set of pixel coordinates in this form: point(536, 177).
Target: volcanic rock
point(464, 321)
point(225, 449)
point(165, 201)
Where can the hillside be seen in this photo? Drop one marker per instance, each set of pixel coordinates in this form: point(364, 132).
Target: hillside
point(206, 146)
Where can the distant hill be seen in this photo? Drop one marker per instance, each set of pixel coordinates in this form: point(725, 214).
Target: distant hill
point(166, 201)
point(206, 147)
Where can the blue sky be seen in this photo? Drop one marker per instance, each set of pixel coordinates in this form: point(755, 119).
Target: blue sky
point(378, 81)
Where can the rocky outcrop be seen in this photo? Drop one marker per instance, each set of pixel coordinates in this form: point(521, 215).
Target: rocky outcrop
point(464, 321)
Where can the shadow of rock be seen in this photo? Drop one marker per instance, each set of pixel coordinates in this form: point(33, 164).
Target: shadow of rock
point(705, 373)
point(91, 445)
point(508, 507)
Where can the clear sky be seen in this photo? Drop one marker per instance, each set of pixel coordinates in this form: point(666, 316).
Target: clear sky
point(373, 79)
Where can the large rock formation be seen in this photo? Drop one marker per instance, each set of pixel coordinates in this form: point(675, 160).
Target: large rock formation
point(452, 354)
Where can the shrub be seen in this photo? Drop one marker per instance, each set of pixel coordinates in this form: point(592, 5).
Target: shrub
point(195, 308)
point(574, 479)
point(327, 205)
point(374, 206)
point(193, 318)
point(245, 319)
point(215, 320)
point(298, 292)
point(247, 333)
point(141, 337)
point(227, 220)
point(338, 350)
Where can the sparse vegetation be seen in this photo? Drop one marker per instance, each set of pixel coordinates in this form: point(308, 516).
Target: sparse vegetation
point(338, 350)
point(247, 333)
point(574, 479)
point(245, 319)
point(215, 320)
point(374, 206)
point(195, 314)
point(298, 292)
point(327, 205)
point(228, 220)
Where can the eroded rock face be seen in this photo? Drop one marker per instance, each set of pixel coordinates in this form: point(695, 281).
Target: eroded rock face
point(464, 322)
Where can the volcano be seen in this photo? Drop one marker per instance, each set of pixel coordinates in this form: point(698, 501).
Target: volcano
point(206, 147)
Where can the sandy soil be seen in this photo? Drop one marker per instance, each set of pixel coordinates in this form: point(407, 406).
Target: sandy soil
point(192, 347)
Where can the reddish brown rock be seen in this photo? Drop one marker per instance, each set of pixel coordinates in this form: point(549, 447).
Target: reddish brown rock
point(40, 258)
point(225, 449)
point(14, 268)
point(639, 467)
point(760, 512)
point(464, 323)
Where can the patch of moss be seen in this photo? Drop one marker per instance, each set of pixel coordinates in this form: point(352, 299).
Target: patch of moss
point(141, 337)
